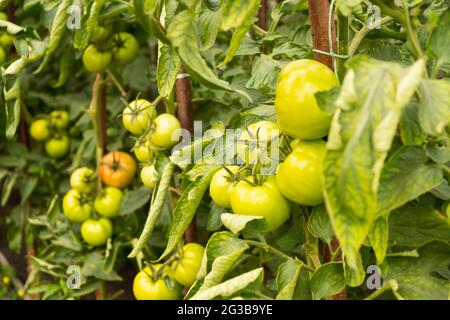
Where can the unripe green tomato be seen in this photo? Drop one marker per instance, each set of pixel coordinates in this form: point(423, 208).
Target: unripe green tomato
point(74, 208)
point(126, 48)
point(108, 203)
point(2, 56)
point(149, 176)
point(138, 115)
point(95, 60)
point(166, 131)
point(221, 186)
point(3, 16)
point(40, 130)
point(143, 151)
point(96, 232)
point(299, 177)
point(186, 269)
point(295, 104)
point(253, 145)
point(262, 200)
point(83, 180)
point(6, 40)
point(59, 119)
point(57, 147)
point(100, 34)
point(145, 287)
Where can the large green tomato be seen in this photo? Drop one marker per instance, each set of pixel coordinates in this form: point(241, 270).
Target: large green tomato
point(138, 115)
point(83, 179)
point(75, 208)
point(40, 130)
point(186, 269)
point(299, 177)
point(263, 200)
point(253, 145)
point(143, 151)
point(57, 147)
point(221, 186)
point(100, 34)
point(59, 119)
point(295, 104)
point(146, 286)
point(166, 131)
point(126, 48)
point(96, 232)
point(95, 60)
point(149, 176)
point(108, 202)
point(6, 40)
point(2, 56)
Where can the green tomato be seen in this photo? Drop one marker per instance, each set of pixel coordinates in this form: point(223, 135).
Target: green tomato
point(143, 151)
point(221, 186)
point(186, 269)
point(57, 147)
point(100, 34)
point(295, 104)
point(149, 176)
point(138, 115)
point(166, 131)
point(153, 284)
point(253, 146)
point(40, 130)
point(96, 232)
point(108, 202)
point(6, 40)
point(95, 60)
point(299, 177)
point(75, 208)
point(59, 119)
point(126, 48)
point(83, 180)
point(2, 56)
point(3, 16)
point(263, 200)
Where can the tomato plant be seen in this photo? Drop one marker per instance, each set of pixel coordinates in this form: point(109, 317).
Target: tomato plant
point(284, 149)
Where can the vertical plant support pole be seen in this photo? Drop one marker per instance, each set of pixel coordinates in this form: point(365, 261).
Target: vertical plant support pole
point(183, 92)
point(319, 14)
point(262, 14)
point(97, 112)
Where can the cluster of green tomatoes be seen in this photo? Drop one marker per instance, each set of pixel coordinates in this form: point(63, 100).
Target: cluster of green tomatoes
point(300, 126)
point(52, 130)
point(156, 133)
point(6, 41)
point(107, 48)
point(91, 205)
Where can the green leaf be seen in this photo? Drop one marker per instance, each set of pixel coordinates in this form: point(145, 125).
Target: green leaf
point(69, 241)
point(415, 277)
point(8, 187)
point(414, 226)
point(439, 41)
point(88, 23)
point(222, 251)
point(326, 100)
point(185, 210)
point(214, 222)
point(239, 15)
point(94, 265)
point(319, 224)
point(13, 106)
point(167, 69)
point(370, 105)
point(405, 176)
point(287, 278)
point(134, 200)
point(146, 14)
point(354, 277)
point(327, 280)
point(155, 209)
point(230, 287)
point(238, 223)
point(264, 74)
point(411, 132)
point(347, 7)
point(439, 154)
point(378, 237)
point(207, 27)
point(434, 105)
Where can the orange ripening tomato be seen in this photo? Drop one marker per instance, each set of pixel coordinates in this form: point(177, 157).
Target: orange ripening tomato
point(117, 169)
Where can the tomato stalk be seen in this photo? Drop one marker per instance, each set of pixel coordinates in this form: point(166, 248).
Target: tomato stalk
point(343, 36)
